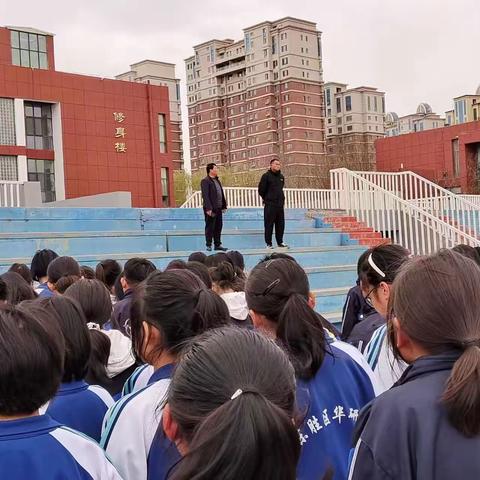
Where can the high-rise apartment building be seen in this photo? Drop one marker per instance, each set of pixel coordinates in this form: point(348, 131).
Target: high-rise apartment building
point(162, 74)
point(262, 96)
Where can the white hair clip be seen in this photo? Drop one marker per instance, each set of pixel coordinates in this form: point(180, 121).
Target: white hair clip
point(236, 394)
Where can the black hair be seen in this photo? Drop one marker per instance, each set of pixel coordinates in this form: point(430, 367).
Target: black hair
point(98, 361)
point(178, 304)
point(73, 325)
point(3, 290)
point(18, 289)
point(31, 356)
point(361, 260)
point(216, 259)
point(275, 159)
point(136, 270)
point(210, 166)
point(40, 262)
point(118, 289)
point(248, 436)
point(177, 264)
point(237, 260)
point(201, 270)
point(277, 255)
point(23, 271)
point(107, 271)
point(197, 257)
point(279, 290)
point(225, 276)
point(87, 272)
point(63, 272)
point(467, 251)
point(94, 299)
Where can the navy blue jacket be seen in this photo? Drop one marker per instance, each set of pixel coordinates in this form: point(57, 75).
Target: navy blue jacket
point(404, 434)
point(209, 194)
point(121, 313)
point(354, 311)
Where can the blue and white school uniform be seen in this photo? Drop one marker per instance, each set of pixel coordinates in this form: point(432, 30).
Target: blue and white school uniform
point(80, 406)
point(39, 448)
point(331, 402)
point(43, 291)
point(138, 379)
point(130, 426)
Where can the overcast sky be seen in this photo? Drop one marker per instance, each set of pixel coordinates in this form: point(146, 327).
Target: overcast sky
point(414, 50)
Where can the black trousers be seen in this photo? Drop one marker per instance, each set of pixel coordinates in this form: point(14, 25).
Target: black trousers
point(213, 228)
point(274, 215)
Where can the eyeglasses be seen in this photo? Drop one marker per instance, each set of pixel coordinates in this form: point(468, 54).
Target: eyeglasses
point(367, 298)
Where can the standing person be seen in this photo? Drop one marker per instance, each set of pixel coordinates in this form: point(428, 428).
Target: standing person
point(270, 189)
point(428, 425)
point(214, 206)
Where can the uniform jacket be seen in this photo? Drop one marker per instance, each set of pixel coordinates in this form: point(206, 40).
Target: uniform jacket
point(209, 194)
point(270, 188)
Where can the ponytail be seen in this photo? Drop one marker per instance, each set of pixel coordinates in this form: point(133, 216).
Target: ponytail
point(63, 283)
point(234, 441)
point(462, 393)
point(305, 339)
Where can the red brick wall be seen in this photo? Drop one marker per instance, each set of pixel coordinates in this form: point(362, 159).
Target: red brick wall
point(430, 154)
point(87, 104)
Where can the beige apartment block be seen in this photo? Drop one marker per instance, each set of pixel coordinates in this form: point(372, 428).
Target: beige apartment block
point(423, 119)
point(259, 97)
point(162, 73)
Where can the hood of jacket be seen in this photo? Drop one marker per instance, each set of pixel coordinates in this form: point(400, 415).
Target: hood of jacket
point(121, 355)
point(237, 305)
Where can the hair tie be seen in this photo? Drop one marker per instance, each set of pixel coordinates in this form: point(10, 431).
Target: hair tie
point(375, 266)
point(471, 343)
point(93, 326)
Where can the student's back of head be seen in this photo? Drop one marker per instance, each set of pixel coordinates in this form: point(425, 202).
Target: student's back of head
point(23, 271)
point(201, 271)
point(468, 251)
point(225, 279)
point(31, 356)
point(62, 273)
point(444, 290)
point(136, 270)
point(197, 257)
point(40, 262)
point(17, 288)
point(94, 299)
point(231, 405)
point(238, 262)
point(107, 271)
point(168, 309)
point(216, 259)
point(277, 293)
point(87, 272)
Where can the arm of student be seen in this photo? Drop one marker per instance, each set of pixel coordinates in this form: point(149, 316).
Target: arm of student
point(363, 465)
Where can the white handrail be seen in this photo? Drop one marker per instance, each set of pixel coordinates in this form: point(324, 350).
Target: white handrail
point(247, 197)
point(10, 193)
point(401, 220)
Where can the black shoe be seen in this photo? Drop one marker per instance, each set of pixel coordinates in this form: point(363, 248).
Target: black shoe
point(220, 249)
point(209, 248)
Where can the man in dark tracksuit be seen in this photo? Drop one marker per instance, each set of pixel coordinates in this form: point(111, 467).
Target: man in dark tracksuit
point(270, 189)
point(214, 205)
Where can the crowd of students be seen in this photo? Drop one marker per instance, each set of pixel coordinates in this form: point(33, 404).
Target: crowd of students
point(203, 370)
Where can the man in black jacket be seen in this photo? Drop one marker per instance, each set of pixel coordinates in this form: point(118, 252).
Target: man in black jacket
point(270, 189)
point(214, 205)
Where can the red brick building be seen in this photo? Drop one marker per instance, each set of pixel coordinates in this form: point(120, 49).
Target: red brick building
point(448, 156)
point(76, 134)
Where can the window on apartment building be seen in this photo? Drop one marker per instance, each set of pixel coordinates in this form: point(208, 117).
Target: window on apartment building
point(475, 114)
point(348, 103)
point(375, 104)
point(264, 34)
point(456, 157)
point(339, 105)
point(329, 130)
point(7, 122)
point(383, 104)
point(29, 49)
point(165, 186)
point(43, 171)
point(339, 129)
point(339, 120)
point(349, 128)
point(285, 61)
point(8, 168)
point(162, 132)
point(38, 125)
point(369, 104)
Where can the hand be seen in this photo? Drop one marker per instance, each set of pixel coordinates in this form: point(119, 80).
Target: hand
point(209, 213)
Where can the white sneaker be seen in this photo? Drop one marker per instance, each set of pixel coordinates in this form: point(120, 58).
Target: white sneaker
point(283, 245)
point(269, 247)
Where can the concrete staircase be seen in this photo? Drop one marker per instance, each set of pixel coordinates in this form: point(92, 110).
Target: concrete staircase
point(326, 244)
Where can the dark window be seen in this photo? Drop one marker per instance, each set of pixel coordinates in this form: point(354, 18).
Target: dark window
point(348, 103)
point(38, 125)
point(29, 49)
point(165, 185)
point(456, 157)
point(339, 105)
point(43, 171)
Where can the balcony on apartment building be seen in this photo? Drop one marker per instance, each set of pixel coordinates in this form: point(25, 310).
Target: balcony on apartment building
point(230, 66)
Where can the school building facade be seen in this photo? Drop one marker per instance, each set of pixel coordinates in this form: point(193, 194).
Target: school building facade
point(80, 135)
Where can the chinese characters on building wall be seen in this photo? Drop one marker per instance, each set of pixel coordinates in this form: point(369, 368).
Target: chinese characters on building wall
point(120, 133)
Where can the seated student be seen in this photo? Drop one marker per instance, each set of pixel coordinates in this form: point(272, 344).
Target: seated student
point(201, 271)
point(107, 271)
point(376, 277)
point(33, 446)
point(333, 380)
point(165, 314)
point(468, 251)
point(23, 271)
point(62, 272)
point(230, 409)
point(231, 288)
point(238, 263)
point(355, 308)
point(76, 404)
point(176, 264)
point(40, 262)
point(135, 270)
point(197, 257)
point(94, 299)
point(428, 425)
point(18, 289)
point(87, 272)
